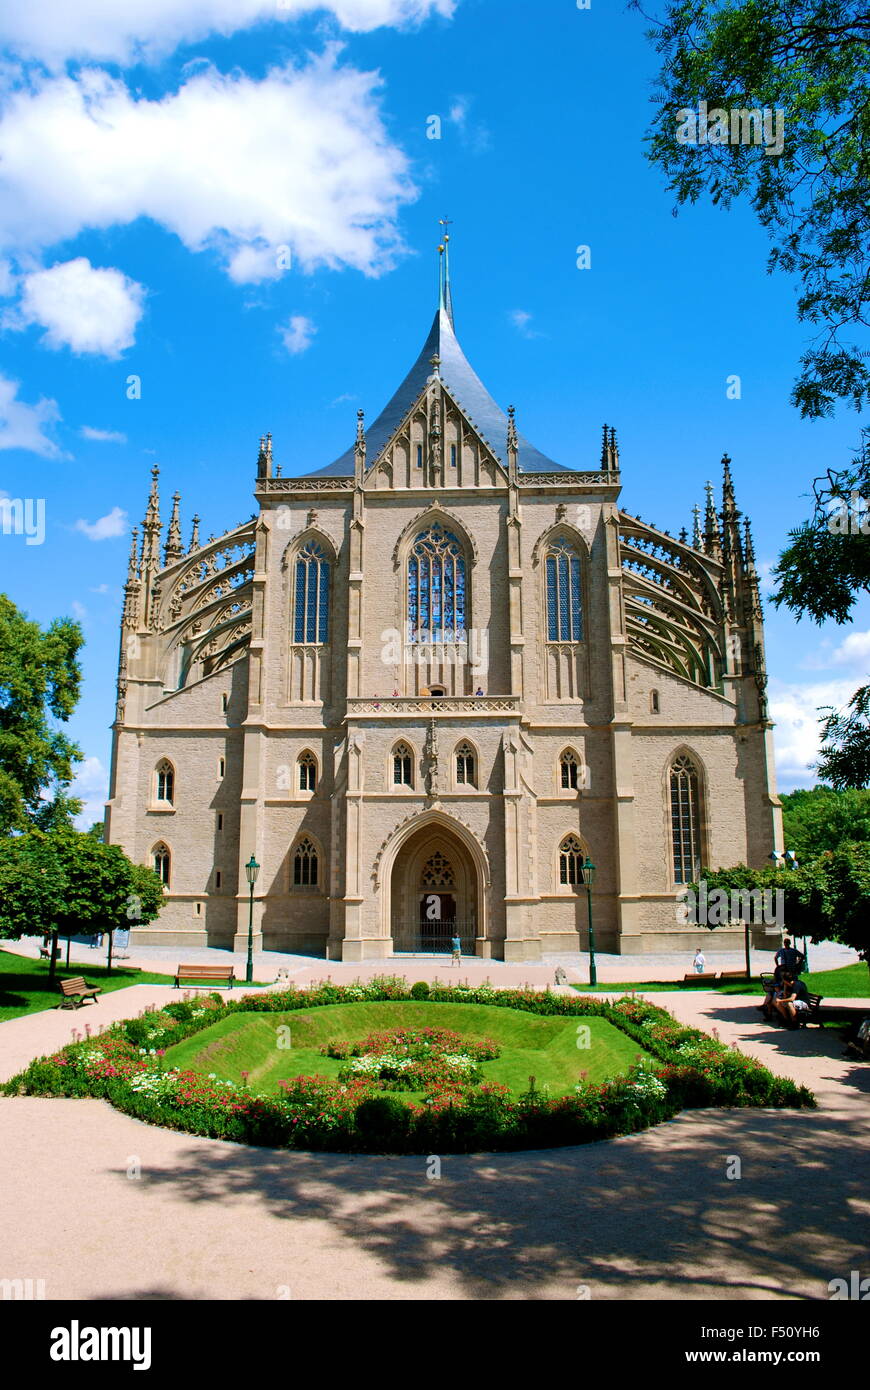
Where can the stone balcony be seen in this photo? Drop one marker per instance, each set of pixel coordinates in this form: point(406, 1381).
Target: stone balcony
point(427, 706)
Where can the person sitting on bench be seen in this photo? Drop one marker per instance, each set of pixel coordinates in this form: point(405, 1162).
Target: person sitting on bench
point(791, 1000)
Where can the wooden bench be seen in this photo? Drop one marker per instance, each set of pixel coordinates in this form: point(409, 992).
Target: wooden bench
point(213, 974)
point(734, 975)
point(76, 992)
point(693, 976)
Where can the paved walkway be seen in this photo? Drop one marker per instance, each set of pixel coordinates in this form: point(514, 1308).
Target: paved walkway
point(101, 1206)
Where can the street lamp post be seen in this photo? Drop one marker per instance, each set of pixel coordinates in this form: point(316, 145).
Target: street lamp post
point(252, 869)
point(588, 872)
point(791, 862)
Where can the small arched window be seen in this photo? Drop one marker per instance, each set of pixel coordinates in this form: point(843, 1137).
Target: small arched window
point(569, 771)
point(161, 861)
point(403, 766)
point(166, 782)
point(307, 764)
point(685, 820)
point(466, 772)
point(654, 702)
point(570, 861)
point(305, 864)
point(564, 610)
point(311, 616)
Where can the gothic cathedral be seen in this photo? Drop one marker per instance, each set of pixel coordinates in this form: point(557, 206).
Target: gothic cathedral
point(427, 686)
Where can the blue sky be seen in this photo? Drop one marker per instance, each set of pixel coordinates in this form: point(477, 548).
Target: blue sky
point(155, 156)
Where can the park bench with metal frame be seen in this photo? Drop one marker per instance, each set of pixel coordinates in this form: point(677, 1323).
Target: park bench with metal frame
point(76, 992)
point(211, 974)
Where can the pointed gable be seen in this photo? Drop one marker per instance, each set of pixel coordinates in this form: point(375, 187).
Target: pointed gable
point(466, 389)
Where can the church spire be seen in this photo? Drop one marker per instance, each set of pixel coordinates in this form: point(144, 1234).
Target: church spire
point(712, 538)
point(194, 536)
point(151, 529)
point(173, 549)
point(696, 527)
point(445, 297)
point(264, 458)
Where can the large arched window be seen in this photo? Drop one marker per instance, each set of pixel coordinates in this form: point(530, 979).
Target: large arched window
point(311, 617)
point(305, 864)
point(570, 861)
point(436, 587)
point(569, 771)
point(165, 779)
point(307, 764)
point(564, 609)
point(161, 861)
point(685, 820)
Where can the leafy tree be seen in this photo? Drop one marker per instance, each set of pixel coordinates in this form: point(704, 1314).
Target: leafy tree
point(69, 883)
point(39, 684)
point(811, 59)
point(821, 818)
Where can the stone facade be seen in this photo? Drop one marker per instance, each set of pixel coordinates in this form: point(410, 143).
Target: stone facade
point(268, 677)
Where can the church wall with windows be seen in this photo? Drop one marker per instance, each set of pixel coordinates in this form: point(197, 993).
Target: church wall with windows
point(310, 677)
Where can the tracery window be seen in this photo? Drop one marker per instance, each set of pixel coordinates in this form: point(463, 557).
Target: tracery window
point(437, 872)
point(166, 781)
point(403, 772)
point(685, 820)
point(311, 619)
point(305, 864)
point(307, 765)
point(436, 587)
point(571, 861)
point(465, 769)
point(569, 771)
point(564, 611)
point(161, 860)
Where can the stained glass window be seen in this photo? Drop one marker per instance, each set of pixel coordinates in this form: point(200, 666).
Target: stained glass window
point(307, 772)
point(436, 587)
point(465, 776)
point(564, 610)
point(685, 821)
point(162, 861)
point(568, 771)
point(402, 767)
point(165, 782)
point(312, 595)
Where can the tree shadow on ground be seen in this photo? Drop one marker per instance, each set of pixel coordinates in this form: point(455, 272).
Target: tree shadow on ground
point(653, 1214)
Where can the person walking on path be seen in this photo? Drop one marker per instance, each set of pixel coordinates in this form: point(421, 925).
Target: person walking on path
point(455, 950)
point(699, 964)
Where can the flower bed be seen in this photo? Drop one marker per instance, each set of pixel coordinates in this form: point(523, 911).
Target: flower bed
point(357, 1113)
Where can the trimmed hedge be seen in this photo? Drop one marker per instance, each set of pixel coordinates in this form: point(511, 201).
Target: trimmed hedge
point(123, 1065)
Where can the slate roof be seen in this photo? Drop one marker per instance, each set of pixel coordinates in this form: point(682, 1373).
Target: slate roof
point(465, 387)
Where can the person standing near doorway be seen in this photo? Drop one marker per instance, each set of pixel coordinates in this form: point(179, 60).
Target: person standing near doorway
point(455, 950)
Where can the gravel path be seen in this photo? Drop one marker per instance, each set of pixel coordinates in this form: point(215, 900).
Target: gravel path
point(102, 1206)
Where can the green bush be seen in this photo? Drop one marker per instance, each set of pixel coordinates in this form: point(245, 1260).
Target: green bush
point(420, 990)
point(383, 1124)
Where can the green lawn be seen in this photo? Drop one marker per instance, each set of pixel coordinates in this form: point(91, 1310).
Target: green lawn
point(848, 981)
point(25, 987)
point(545, 1048)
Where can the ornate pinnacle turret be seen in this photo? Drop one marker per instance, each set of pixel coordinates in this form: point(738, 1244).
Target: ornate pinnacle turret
point(133, 563)
point(728, 503)
point(609, 449)
point(360, 445)
point(512, 429)
point(604, 451)
point(614, 451)
point(696, 527)
point(264, 457)
point(150, 558)
point(194, 536)
point(684, 536)
point(712, 538)
point(173, 549)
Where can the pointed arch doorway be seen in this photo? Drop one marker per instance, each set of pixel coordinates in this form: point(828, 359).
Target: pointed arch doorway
point(434, 892)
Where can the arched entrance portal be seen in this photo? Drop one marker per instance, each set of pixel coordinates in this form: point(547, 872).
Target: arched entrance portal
point(433, 892)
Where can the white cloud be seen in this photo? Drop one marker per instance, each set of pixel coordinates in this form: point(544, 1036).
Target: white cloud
point(7, 280)
point(79, 611)
point(797, 736)
point(81, 307)
point(114, 523)
point(300, 159)
point(54, 30)
point(102, 436)
point(23, 426)
point(853, 651)
point(91, 785)
point(297, 334)
point(521, 320)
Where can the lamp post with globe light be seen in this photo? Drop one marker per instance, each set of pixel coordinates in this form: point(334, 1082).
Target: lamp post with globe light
point(587, 869)
point(252, 870)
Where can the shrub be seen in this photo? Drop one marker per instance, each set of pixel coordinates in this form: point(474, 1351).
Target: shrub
point(383, 1123)
point(420, 990)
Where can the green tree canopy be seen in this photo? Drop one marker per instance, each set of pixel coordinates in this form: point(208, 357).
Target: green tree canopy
point(819, 818)
point(811, 59)
point(39, 686)
point(71, 883)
